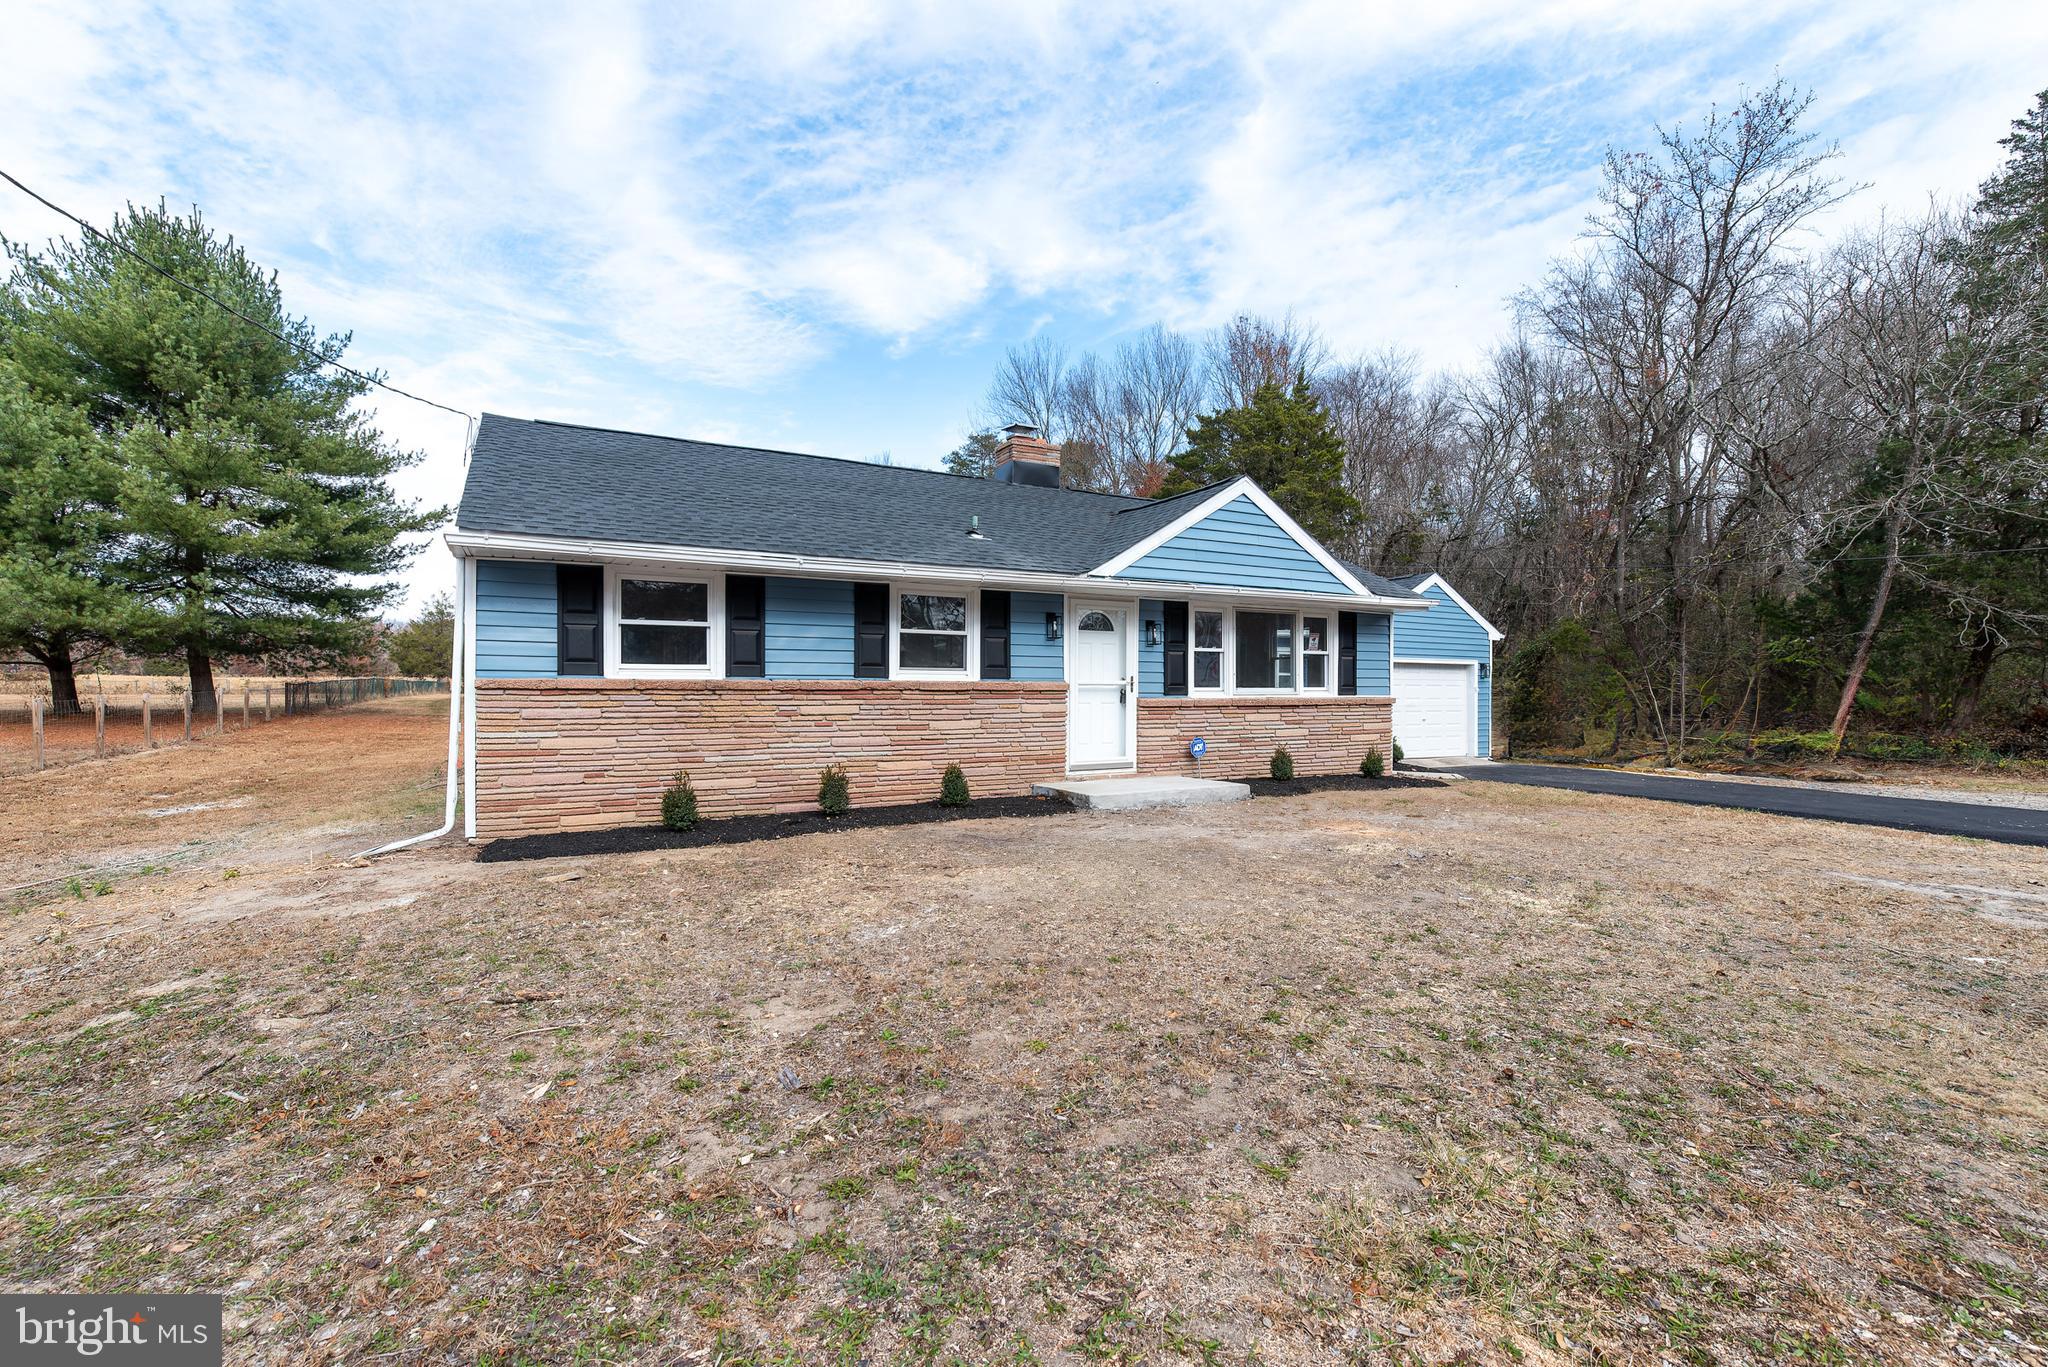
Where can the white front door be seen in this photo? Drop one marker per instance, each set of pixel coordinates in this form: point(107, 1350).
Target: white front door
point(1433, 709)
point(1102, 690)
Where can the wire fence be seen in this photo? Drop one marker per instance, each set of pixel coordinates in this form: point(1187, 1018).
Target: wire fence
point(110, 724)
point(319, 695)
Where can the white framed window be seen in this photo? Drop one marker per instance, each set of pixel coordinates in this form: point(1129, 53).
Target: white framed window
point(933, 632)
point(662, 623)
point(1206, 671)
point(1316, 675)
point(1265, 655)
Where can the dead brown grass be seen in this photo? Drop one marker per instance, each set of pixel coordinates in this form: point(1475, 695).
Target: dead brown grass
point(1471, 1074)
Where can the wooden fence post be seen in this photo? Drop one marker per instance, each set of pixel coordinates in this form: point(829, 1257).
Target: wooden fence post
point(99, 726)
point(245, 706)
point(35, 717)
point(186, 698)
point(220, 712)
point(266, 702)
point(148, 725)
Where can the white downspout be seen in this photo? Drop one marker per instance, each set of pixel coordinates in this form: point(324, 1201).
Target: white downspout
point(469, 702)
point(457, 663)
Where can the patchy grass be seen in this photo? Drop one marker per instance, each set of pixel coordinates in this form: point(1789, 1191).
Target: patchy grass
point(1430, 1075)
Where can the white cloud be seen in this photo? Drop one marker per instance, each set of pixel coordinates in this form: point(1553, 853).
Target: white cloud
point(616, 214)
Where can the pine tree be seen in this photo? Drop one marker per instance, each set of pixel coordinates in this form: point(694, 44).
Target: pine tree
point(1283, 439)
point(56, 515)
point(253, 508)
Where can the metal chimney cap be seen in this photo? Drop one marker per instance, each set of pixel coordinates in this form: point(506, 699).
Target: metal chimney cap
point(1021, 429)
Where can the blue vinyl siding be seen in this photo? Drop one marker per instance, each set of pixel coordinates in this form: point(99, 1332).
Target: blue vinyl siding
point(1031, 655)
point(1237, 546)
point(1151, 659)
point(515, 619)
point(1375, 676)
point(809, 631)
point(1445, 632)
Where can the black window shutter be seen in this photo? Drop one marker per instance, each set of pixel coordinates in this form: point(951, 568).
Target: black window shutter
point(579, 619)
point(746, 612)
point(1176, 650)
point(870, 631)
point(1347, 652)
point(995, 634)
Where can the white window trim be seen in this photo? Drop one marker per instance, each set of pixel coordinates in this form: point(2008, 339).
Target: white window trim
point(1224, 676)
point(1329, 652)
point(970, 653)
point(1292, 690)
point(714, 628)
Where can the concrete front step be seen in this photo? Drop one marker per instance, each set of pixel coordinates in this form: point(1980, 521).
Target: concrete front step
point(1131, 794)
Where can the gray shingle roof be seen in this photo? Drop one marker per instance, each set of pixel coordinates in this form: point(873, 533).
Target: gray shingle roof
point(534, 478)
point(1394, 586)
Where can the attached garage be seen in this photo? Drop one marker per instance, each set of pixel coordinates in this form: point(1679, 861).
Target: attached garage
point(1435, 708)
point(1442, 671)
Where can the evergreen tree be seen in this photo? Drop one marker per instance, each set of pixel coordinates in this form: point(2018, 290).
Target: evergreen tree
point(56, 496)
point(253, 506)
point(1283, 439)
point(975, 456)
point(424, 648)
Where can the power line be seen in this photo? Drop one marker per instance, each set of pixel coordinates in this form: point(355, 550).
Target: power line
point(216, 300)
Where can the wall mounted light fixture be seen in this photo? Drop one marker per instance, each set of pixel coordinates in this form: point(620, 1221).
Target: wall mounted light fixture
point(1151, 632)
point(1052, 626)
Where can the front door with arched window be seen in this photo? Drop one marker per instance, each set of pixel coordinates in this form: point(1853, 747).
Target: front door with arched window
point(1102, 694)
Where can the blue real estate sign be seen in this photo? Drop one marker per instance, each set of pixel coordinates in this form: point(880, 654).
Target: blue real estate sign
point(1198, 747)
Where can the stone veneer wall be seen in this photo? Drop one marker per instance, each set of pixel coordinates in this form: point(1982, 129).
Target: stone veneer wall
point(1325, 735)
point(572, 754)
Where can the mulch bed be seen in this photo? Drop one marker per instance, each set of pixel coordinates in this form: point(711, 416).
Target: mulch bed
point(1323, 783)
point(738, 830)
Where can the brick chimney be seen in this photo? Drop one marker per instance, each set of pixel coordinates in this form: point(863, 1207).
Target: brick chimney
point(1025, 457)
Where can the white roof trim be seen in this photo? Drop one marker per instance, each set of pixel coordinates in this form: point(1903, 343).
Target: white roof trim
point(1241, 487)
point(1438, 581)
point(515, 546)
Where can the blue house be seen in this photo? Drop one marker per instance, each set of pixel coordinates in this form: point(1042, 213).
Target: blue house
point(1443, 674)
point(635, 606)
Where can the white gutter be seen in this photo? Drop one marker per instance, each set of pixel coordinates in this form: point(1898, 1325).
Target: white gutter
point(515, 546)
point(464, 573)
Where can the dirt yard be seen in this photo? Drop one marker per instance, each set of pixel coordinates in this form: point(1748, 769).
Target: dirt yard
point(1466, 1074)
point(73, 739)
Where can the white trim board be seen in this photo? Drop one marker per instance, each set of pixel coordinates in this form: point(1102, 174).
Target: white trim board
point(512, 546)
point(1438, 581)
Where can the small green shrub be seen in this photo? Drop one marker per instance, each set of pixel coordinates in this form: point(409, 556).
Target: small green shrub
point(679, 805)
point(834, 797)
point(1283, 764)
point(953, 788)
point(1374, 764)
point(1398, 754)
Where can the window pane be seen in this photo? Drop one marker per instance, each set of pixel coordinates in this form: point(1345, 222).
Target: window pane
point(933, 612)
point(1096, 621)
point(1313, 630)
point(1315, 671)
point(663, 601)
point(640, 645)
point(1208, 669)
point(1208, 631)
point(1260, 644)
point(931, 652)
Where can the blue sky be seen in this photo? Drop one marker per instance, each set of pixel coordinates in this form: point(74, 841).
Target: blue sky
point(818, 227)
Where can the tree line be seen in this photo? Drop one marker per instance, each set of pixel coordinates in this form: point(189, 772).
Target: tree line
point(1723, 476)
point(175, 479)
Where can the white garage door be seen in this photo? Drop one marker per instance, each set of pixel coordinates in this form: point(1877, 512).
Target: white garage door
point(1433, 709)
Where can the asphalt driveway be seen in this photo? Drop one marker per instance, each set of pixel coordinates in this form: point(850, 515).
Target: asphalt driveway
point(1984, 821)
